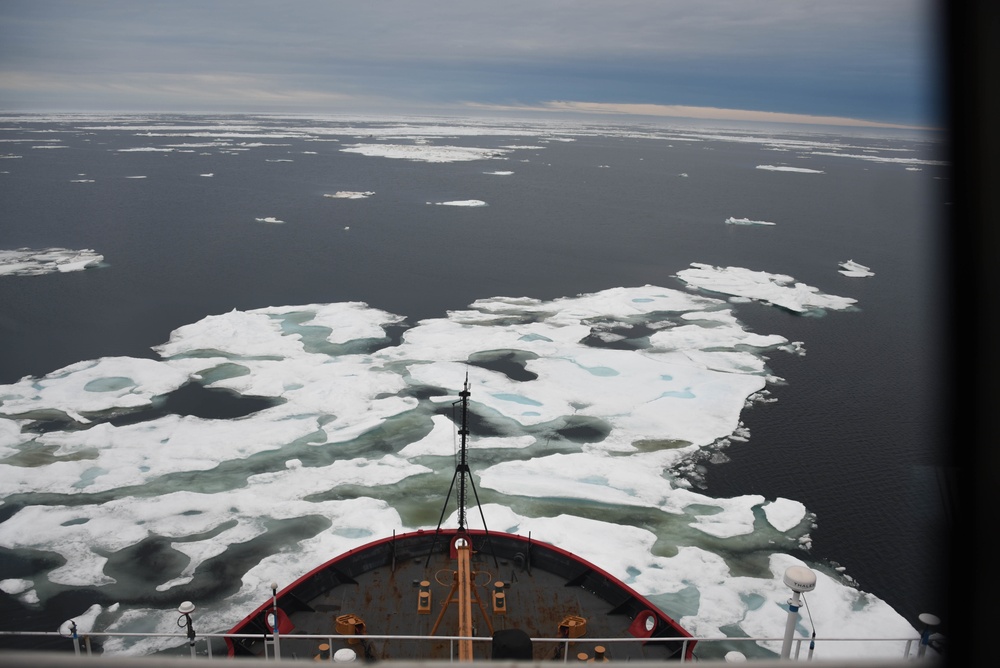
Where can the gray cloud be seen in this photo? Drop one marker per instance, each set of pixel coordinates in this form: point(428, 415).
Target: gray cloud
point(313, 53)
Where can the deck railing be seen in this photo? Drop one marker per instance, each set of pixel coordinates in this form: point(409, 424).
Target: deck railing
point(212, 645)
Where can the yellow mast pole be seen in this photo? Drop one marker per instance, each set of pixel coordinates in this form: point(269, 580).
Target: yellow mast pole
point(464, 602)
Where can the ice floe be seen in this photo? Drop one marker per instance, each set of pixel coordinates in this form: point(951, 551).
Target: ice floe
point(350, 194)
point(33, 262)
point(746, 221)
point(462, 202)
point(784, 168)
point(777, 289)
point(426, 152)
point(351, 411)
point(854, 269)
point(882, 158)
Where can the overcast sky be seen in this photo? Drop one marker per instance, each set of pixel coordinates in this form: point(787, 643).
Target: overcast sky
point(869, 60)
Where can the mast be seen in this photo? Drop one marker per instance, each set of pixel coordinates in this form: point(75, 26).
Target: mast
point(463, 459)
point(463, 591)
point(463, 477)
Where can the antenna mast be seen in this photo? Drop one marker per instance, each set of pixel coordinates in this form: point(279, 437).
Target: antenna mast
point(463, 474)
point(463, 458)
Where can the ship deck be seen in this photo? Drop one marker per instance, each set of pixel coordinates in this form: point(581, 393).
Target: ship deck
point(404, 587)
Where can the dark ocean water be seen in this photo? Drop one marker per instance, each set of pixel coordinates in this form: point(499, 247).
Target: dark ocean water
point(856, 433)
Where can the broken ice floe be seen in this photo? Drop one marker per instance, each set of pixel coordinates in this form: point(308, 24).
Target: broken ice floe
point(350, 194)
point(854, 269)
point(777, 289)
point(426, 153)
point(574, 421)
point(34, 262)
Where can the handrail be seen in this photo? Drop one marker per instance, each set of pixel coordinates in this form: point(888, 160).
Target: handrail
point(907, 652)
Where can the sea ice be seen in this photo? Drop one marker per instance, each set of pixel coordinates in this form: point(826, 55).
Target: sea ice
point(34, 262)
point(464, 202)
point(580, 424)
point(782, 168)
point(15, 586)
point(854, 269)
point(351, 194)
point(426, 152)
point(784, 514)
point(746, 221)
point(777, 289)
point(881, 158)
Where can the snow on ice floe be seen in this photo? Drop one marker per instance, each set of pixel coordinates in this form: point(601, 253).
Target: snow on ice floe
point(777, 289)
point(145, 149)
point(854, 269)
point(746, 221)
point(784, 514)
point(462, 202)
point(92, 386)
point(351, 194)
point(426, 152)
point(270, 219)
point(15, 586)
point(499, 173)
point(882, 158)
point(34, 262)
point(576, 423)
point(755, 605)
point(783, 168)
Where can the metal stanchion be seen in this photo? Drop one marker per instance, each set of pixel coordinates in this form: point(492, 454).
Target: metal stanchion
point(929, 621)
point(68, 630)
point(800, 579)
point(186, 608)
point(272, 620)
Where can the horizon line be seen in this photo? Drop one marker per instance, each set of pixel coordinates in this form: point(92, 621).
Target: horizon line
point(554, 107)
point(700, 113)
